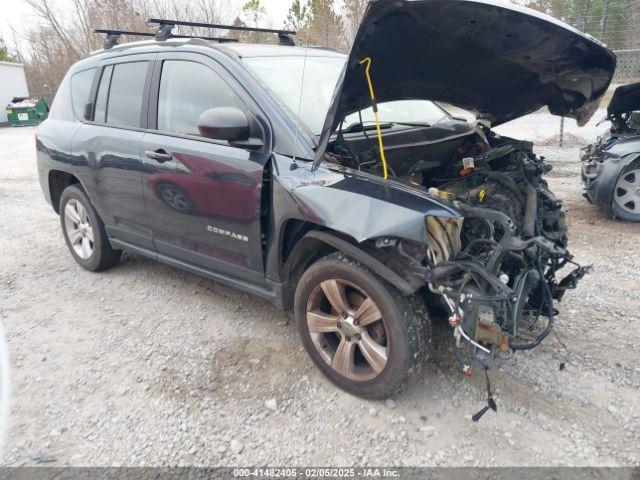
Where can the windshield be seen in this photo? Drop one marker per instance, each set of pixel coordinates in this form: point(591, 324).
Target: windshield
point(399, 111)
point(283, 75)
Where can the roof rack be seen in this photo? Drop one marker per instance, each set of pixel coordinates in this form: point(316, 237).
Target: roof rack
point(112, 36)
point(165, 26)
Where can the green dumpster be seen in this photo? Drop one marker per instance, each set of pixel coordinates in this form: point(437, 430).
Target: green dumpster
point(27, 111)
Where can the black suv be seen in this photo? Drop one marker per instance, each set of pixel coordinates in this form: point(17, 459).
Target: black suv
point(334, 185)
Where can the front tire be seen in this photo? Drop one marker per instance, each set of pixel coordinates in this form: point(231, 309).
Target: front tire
point(84, 231)
point(361, 332)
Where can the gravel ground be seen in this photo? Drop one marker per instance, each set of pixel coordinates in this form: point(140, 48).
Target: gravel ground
point(149, 365)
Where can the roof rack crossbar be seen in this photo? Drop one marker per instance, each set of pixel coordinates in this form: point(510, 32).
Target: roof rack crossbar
point(160, 21)
point(165, 26)
point(112, 36)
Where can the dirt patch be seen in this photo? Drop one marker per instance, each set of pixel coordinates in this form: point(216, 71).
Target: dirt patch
point(568, 140)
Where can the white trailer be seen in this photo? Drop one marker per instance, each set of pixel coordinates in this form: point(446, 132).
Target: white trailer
point(13, 83)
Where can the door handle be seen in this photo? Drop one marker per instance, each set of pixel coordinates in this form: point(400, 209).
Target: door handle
point(159, 155)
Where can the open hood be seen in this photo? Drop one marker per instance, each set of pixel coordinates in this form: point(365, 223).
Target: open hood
point(498, 60)
point(625, 99)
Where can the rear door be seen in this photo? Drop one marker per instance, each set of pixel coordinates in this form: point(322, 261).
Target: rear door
point(111, 142)
point(203, 196)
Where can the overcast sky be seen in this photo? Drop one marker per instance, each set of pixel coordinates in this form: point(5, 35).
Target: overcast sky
point(19, 15)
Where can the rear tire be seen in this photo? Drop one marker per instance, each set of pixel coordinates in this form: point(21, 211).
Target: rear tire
point(364, 335)
point(84, 231)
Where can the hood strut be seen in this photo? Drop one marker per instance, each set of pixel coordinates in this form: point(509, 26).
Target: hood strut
point(374, 106)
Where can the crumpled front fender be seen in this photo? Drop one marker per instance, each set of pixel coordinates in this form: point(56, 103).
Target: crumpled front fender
point(359, 205)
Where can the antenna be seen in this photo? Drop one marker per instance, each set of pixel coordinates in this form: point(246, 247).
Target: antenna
point(294, 164)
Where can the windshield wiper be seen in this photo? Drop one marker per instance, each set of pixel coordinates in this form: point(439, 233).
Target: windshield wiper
point(413, 124)
point(360, 127)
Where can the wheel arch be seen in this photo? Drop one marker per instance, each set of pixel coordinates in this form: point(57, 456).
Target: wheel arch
point(59, 180)
point(304, 243)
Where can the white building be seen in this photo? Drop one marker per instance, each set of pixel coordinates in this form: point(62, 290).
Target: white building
point(13, 83)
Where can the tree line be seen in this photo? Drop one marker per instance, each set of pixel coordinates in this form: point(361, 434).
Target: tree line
point(615, 22)
point(62, 37)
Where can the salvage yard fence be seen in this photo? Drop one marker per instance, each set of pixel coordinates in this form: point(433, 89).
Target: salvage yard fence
point(628, 69)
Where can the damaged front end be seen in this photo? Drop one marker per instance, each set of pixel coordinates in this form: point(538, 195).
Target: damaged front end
point(466, 210)
point(497, 290)
point(499, 287)
point(496, 262)
point(487, 249)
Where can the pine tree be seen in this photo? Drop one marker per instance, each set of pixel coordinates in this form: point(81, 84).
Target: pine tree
point(299, 15)
point(4, 52)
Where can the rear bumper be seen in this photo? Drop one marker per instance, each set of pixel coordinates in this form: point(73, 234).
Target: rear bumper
point(43, 177)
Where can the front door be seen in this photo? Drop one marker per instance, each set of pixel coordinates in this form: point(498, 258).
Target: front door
point(203, 197)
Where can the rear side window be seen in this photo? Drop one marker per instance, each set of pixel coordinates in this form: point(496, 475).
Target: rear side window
point(187, 89)
point(80, 89)
point(125, 94)
point(119, 99)
point(100, 115)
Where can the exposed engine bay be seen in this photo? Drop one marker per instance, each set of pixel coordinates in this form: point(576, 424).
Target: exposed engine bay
point(455, 158)
point(494, 268)
point(466, 163)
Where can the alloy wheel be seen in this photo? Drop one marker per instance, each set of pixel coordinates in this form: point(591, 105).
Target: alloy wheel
point(627, 192)
point(347, 329)
point(78, 228)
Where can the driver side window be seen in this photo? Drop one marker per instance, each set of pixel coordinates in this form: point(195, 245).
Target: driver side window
point(187, 89)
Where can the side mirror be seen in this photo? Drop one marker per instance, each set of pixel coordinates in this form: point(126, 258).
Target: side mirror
point(224, 123)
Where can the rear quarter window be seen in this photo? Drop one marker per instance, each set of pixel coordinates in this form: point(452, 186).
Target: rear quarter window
point(72, 95)
point(80, 90)
point(61, 108)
